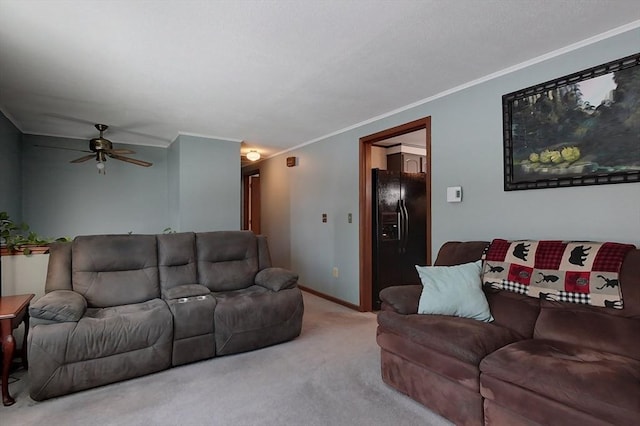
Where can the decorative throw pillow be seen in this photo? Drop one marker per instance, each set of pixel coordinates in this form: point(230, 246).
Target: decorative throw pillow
point(453, 290)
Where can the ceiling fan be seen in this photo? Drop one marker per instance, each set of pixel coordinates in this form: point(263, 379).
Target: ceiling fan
point(101, 148)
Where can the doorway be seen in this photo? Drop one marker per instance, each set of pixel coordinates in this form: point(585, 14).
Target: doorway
point(366, 201)
point(251, 202)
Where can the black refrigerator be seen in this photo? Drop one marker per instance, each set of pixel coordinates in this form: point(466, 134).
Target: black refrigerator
point(399, 229)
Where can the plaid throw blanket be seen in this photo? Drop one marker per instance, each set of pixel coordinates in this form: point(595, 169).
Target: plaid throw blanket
point(579, 272)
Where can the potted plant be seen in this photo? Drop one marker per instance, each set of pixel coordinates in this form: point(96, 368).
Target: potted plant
point(16, 238)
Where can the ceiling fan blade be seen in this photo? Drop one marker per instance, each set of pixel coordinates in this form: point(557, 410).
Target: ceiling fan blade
point(120, 151)
point(59, 147)
point(130, 160)
point(83, 159)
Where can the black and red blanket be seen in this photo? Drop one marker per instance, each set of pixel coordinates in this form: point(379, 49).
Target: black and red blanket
point(567, 271)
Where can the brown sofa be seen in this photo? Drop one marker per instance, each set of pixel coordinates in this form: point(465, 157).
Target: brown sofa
point(539, 362)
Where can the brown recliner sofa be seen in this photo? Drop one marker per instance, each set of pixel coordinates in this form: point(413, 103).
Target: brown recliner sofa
point(122, 306)
point(539, 362)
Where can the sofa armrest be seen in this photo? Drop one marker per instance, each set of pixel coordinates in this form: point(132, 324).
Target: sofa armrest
point(185, 290)
point(59, 306)
point(402, 299)
point(276, 279)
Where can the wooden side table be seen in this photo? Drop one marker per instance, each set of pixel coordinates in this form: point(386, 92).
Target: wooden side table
point(13, 311)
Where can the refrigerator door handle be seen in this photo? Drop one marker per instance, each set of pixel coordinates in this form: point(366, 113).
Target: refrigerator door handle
point(405, 225)
point(400, 227)
point(401, 208)
point(400, 223)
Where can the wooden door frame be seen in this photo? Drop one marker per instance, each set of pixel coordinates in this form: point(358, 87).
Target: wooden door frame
point(366, 200)
point(245, 194)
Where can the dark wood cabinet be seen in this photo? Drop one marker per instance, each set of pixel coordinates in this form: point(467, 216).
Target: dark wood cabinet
point(407, 163)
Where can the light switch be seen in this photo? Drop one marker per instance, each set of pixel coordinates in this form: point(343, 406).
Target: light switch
point(324, 218)
point(349, 218)
point(454, 194)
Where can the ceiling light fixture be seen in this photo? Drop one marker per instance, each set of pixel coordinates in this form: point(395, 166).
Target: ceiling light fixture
point(101, 158)
point(253, 155)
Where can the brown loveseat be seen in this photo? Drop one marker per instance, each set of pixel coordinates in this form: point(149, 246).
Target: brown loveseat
point(539, 362)
point(121, 306)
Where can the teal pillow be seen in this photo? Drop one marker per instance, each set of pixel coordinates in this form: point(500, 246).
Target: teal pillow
point(453, 290)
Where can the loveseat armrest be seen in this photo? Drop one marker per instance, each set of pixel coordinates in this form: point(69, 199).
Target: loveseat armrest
point(402, 299)
point(185, 290)
point(276, 279)
point(58, 306)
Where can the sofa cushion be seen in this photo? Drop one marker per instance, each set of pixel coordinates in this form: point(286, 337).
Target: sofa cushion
point(109, 331)
point(462, 405)
point(512, 310)
point(105, 346)
point(59, 306)
point(594, 382)
point(402, 299)
point(255, 317)
point(462, 338)
point(112, 270)
point(428, 359)
point(227, 260)
point(589, 326)
point(186, 290)
point(59, 267)
point(508, 404)
point(458, 252)
point(177, 259)
point(276, 279)
point(453, 290)
point(610, 330)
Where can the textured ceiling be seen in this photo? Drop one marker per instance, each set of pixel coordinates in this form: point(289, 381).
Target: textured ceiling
point(275, 74)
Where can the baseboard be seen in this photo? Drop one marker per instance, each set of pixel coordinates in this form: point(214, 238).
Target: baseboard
point(330, 298)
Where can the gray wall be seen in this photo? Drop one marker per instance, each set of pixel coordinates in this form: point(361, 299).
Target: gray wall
point(208, 175)
point(326, 183)
point(173, 184)
point(194, 185)
point(10, 169)
point(63, 199)
point(466, 151)
point(275, 209)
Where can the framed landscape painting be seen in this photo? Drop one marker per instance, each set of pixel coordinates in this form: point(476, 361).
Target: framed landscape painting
point(581, 129)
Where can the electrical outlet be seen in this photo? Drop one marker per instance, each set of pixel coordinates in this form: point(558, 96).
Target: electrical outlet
point(335, 272)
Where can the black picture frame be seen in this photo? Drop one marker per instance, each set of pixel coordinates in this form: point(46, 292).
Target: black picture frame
point(555, 135)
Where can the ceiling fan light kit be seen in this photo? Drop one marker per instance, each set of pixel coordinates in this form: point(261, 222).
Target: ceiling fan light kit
point(100, 166)
point(101, 148)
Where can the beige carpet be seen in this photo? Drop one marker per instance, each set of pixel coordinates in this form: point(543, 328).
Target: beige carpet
point(330, 375)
